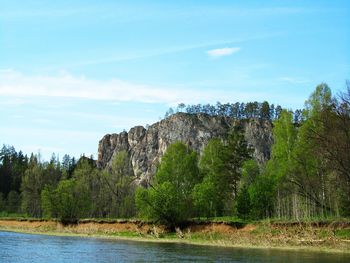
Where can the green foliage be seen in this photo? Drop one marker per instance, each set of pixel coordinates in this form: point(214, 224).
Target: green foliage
point(35, 179)
point(119, 186)
point(343, 233)
point(320, 100)
point(243, 205)
point(238, 152)
point(220, 165)
point(261, 194)
point(69, 201)
point(250, 174)
point(12, 167)
point(207, 200)
point(285, 136)
point(13, 202)
point(209, 194)
point(169, 200)
point(48, 204)
point(32, 184)
point(2, 202)
point(143, 203)
point(71, 198)
point(250, 171)
point(179, 167)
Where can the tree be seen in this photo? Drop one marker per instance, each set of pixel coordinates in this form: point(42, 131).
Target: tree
point(7, 155)
point(2, 202)
point(243, 204)
point(285, 136)
point(119, 183)
point(31, 187)
point(13, 202)
point(238, 152)
point(48, 203)
point(210, 195)
point(181, 107)
point(265, 111)
point(207, 201)
point(36, 177)
point(261, 196)
point(169, 113)
point(168, 199)
point(298, 116)
point(221, 166)
point(68, 165)
point(250, 173)
point(71, 201)
point(12, 167)
point(91, 180)
point(278, 111)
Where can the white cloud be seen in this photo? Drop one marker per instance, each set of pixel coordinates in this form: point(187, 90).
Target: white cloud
point(17, 85)
point(220, 52)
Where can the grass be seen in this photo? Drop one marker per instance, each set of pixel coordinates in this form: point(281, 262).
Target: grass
point(343, 233)
point(7, 215)
point(130, 234)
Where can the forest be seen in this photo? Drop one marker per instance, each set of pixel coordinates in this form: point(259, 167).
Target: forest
point(307, 176)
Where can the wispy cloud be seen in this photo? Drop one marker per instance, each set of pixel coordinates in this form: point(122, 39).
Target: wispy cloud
point(17, 85)
point(220, 52)
point(294, 80)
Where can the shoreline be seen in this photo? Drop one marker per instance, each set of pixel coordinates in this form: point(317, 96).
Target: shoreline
point(211, 235)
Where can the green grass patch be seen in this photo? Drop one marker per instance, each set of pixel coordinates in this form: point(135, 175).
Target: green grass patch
point(7, 215)
point(126, 234)
point(324, 233)
point(261, 229)
point(343, 233)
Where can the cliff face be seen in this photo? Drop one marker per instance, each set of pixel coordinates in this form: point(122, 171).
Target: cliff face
point(146, 146)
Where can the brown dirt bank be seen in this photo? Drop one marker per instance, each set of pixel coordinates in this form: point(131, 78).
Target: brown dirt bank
point(325, 237)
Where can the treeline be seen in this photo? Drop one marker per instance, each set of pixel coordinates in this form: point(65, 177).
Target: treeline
point(307, 176)
point(238, 111)
point(309, 171)
point(66, 190)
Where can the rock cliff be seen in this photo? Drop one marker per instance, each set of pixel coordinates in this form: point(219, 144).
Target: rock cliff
point(146, 146)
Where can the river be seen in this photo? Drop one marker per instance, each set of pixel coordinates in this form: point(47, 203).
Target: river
point(17, 247)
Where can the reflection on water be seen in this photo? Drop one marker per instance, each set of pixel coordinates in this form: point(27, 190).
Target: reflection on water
point(15, 247)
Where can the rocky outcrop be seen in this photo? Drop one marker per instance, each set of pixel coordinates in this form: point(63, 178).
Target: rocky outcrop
point(146, 146)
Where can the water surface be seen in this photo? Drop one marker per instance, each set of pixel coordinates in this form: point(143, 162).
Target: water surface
point(17, 247)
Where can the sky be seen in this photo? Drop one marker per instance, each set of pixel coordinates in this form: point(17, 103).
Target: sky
point(73, 71)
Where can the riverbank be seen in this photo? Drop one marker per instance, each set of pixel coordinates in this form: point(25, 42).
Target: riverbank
point(320, 236)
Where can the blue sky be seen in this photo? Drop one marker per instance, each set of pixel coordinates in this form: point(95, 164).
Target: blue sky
point(72, 71)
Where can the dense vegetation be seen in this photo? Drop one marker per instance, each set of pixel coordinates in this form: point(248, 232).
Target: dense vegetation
point(308, 175)
point(68, 191)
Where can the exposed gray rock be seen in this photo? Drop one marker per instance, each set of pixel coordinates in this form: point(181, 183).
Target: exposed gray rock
point(146, 146)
